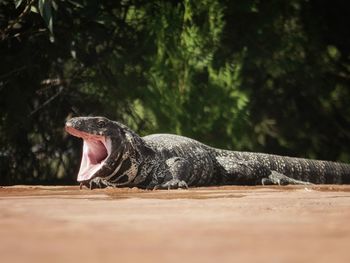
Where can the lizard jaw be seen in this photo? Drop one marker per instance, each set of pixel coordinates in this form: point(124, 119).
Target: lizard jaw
point(96, 150)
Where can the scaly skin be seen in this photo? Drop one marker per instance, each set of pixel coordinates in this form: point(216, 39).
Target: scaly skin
point(166, 161)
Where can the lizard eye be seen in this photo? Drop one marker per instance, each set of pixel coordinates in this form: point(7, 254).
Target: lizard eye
point(101, 124)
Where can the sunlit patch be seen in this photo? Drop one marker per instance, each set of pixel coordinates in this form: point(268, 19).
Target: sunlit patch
point(96, 149)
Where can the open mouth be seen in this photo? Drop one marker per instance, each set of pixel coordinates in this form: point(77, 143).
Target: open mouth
point(96, 150)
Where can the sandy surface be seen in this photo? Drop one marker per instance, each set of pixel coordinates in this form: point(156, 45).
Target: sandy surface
point(225, 224)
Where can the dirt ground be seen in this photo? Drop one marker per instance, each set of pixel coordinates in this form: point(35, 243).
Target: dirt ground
point(220, 224)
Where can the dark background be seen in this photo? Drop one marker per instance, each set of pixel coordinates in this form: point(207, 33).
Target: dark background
point(270, 76)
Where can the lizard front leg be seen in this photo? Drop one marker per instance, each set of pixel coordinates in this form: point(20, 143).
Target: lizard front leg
point(97, 182)
point(177, 173)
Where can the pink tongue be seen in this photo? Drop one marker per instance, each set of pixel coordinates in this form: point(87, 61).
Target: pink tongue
point(94, 152)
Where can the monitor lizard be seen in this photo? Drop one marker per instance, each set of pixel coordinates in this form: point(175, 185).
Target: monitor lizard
point(115, 156)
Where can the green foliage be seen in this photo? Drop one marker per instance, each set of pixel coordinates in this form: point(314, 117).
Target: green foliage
point(46, 13)
point(187, 37)
point(248, 75)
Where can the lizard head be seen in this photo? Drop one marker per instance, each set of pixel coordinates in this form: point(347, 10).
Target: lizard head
point(104, 143)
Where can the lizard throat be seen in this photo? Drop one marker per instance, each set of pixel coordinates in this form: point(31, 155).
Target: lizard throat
point(96, 150)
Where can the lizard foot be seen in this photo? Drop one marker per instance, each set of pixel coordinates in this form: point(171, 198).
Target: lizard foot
point(96, 182)
point(172, 184)
point(276, 178)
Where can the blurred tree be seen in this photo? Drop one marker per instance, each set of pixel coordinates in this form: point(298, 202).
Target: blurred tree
point(199, 96)
point(81, 69)
point(297, 76)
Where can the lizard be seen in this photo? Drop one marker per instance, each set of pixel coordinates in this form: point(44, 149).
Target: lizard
point(115, 156)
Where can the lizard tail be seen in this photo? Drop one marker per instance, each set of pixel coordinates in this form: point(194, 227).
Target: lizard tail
point(346, 173)
point(313, 171)
point(322, 172)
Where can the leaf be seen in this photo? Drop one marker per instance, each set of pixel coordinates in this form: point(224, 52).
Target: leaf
point(46, 13)
point(54, 5)
point(18, 3)
point(34, 9)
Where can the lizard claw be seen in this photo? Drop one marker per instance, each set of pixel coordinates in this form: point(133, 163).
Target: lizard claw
point(172, 184)
point(98, 182)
